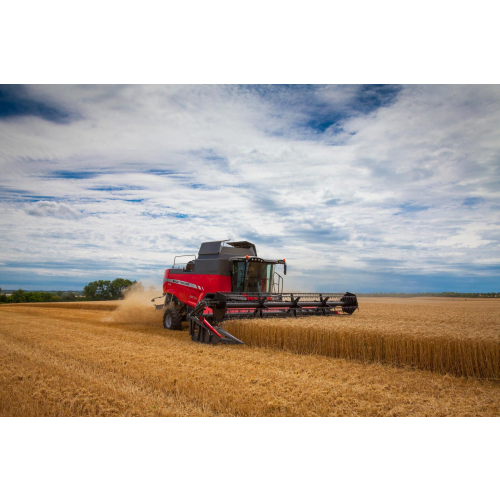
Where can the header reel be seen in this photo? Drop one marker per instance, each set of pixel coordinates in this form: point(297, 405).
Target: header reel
point(205, 318)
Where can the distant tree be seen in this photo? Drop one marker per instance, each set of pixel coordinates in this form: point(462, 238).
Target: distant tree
point(90, 290)
point(35, 297)
point(97, 290)
point(19, 296)
point(106, 290)
point(118, 286)
point(69, 297)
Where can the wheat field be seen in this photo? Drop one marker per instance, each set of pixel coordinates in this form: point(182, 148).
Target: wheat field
point(115, 359)
point(458, 337)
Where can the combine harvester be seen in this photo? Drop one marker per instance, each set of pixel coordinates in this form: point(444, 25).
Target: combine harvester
point(228, 281)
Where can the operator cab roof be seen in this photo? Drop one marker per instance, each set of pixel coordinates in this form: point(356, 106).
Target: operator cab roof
point(234, 248)
point(242, 244)
point(218, 257)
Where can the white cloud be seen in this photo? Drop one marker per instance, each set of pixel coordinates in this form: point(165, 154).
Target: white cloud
point(245, 163)
point(52, 209)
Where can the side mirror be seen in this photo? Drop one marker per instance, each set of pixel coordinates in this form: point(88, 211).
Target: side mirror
point(284, 271)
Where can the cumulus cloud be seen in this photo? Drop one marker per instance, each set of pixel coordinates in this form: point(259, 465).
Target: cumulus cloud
point(52, 209)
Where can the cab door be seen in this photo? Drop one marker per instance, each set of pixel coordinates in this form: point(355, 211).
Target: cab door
point(238, 277)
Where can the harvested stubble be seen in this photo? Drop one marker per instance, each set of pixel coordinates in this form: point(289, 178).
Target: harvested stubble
point(461, 338)
point(110, 305)
point(66, 362)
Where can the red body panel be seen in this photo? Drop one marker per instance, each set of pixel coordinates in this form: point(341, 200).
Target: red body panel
point(203, 284)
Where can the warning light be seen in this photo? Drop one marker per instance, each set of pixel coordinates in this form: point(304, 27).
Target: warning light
point(246, 256)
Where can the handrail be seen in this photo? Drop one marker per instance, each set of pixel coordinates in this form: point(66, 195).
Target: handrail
point(188, 255)
point(280, 282)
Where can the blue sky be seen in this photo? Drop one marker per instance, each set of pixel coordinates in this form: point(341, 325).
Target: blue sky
point(362, 188)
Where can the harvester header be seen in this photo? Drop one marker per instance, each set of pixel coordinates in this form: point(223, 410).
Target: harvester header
point(228, 280)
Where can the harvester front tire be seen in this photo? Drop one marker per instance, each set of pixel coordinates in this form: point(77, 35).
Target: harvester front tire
point(172, 319)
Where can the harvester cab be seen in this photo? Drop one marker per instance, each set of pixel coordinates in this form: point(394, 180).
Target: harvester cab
point(228, 280)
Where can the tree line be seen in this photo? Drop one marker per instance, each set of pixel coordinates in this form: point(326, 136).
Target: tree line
point(95, 290)
point(24, 296)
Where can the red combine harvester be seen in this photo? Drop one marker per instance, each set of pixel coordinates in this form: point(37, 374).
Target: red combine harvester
point(227, 281)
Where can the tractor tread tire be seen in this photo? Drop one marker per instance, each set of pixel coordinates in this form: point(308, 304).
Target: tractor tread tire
point(175, 317)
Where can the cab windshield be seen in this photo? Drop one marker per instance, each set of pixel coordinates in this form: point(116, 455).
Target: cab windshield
point(258, 278)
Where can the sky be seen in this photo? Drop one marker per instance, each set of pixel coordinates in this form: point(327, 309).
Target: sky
point(362, 188)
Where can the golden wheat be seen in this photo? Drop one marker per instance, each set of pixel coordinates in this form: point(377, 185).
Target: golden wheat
point(461, 338)
point(67, 362)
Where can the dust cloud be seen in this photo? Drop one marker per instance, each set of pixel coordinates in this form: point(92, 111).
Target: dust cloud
point(137, 308)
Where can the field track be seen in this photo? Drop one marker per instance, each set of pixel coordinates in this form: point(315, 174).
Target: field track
point(89, 359)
